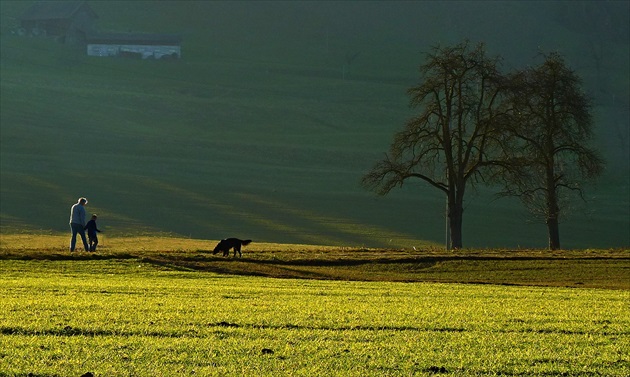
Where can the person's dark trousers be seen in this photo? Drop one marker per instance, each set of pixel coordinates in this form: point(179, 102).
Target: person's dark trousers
point(93, 241)
point(78, 228)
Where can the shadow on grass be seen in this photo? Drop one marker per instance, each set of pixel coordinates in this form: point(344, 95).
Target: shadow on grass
point(65, 256)
point(85, 332)
point(605, 269)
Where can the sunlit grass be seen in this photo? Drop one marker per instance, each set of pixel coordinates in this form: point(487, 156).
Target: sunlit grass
point(120, 244)
point(125, 317)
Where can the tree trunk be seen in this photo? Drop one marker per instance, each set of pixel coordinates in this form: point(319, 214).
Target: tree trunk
point(455, 216)
point(552, 217)
point(554, 233)
point(553, 210)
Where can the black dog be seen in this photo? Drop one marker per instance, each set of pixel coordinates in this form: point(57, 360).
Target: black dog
point(231, 243)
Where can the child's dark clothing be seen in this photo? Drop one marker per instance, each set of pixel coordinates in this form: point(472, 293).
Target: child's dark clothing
point(91, 233)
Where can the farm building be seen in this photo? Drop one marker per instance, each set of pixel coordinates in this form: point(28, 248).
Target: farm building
point(69, 21)
point(144, 46)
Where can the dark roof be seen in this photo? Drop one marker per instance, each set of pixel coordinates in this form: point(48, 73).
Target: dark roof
point(134, 38)
point(54, 10)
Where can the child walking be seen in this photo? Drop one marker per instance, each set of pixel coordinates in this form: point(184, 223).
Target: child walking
point(91, 232)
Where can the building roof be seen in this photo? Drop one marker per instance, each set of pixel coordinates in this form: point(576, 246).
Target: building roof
point(55, 10)
point(135, 38)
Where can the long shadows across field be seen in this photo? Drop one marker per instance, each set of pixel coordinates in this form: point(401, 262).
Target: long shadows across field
point(593, 269)
point(276, 110)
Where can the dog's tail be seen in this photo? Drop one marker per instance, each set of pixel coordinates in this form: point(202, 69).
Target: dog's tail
point(246, 242)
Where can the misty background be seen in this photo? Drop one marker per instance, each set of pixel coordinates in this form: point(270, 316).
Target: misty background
point(265, 126)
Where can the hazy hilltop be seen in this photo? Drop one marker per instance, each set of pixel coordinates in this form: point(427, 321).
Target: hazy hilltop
point(276, 109)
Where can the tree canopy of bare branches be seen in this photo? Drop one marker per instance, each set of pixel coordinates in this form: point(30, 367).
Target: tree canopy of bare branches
point(457, 132)
point(529, 131)
point(550, 129)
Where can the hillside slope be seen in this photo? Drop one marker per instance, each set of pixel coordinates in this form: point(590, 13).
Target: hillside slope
point(263, 129)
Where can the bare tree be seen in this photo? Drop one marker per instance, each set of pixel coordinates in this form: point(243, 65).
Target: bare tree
point(551, 128)
point(455, 135)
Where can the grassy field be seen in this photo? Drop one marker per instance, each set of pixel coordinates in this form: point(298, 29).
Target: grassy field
point(609, 269)
point(256, 133)
point(136, 312)
point(263, 131)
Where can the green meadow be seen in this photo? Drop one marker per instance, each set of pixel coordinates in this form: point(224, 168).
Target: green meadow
point(263, 129)
point(171, 308)
point(131, 317)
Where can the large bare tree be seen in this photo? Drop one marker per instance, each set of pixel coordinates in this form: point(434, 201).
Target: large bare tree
point(551, 129)
point(456, 133)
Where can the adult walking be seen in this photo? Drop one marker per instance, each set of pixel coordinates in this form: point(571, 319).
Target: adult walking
point(77, 224)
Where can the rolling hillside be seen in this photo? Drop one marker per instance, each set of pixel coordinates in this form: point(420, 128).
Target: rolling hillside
point(265, 127)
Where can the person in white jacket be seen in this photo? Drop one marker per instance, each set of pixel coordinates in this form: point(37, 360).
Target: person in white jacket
point(77, 224)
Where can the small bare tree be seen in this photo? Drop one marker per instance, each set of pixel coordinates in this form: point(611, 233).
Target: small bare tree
point(550, 130)
point(455, 135)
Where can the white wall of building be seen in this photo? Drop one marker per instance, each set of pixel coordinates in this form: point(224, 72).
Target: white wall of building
point(144, 51)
